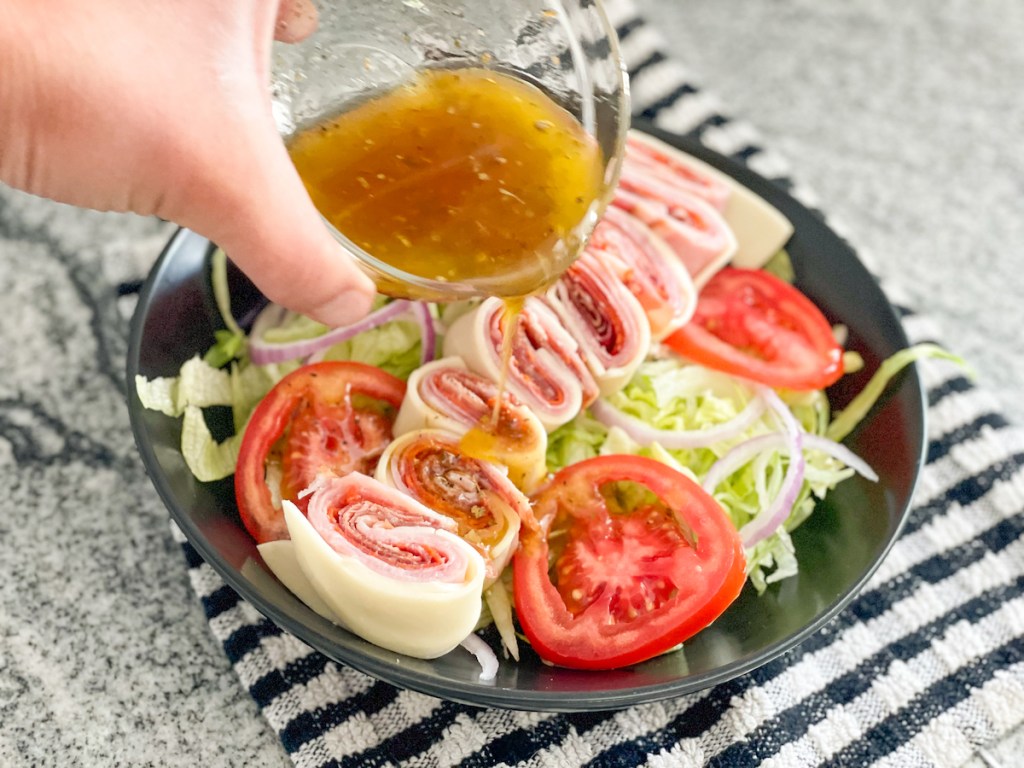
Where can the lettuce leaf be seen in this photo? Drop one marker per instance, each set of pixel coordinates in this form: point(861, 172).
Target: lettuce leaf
point(673, 395)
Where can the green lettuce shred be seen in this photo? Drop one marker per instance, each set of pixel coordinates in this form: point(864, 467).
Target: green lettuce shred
point(207, 459)
point(197, 383)
point(846, 421)
point(230, 342)
point(393, 347)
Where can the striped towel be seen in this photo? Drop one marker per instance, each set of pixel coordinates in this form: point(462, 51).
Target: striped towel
point(925, 667)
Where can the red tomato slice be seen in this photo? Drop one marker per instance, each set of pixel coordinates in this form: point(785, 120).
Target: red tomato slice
point(326, 418)
point(750, 323)
point(629, 559)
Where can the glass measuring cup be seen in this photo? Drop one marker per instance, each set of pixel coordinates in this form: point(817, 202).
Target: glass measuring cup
point(360, 50)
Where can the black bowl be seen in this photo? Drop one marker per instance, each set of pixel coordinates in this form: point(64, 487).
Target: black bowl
point(838, 548)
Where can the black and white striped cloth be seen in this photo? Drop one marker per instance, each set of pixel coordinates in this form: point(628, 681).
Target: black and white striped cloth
point(925, 667)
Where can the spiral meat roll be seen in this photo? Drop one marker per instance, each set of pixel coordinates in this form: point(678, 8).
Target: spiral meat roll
point(759, 228)
point(648, 268)
point(610, 324)
point(666, 168)
point(546, 372)
point(429, 466)
point(392, 570)
point(446, 395)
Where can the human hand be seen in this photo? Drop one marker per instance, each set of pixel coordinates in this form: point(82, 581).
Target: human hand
point(164, 109)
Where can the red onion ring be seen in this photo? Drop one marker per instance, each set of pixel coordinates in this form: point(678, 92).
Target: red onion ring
point(686, 438)
point(768, 520)
point(428, 333)
point(842, 453)
point(266, 353)
point(739, 455)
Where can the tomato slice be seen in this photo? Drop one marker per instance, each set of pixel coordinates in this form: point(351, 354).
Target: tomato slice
point(750, 323)
point(326, 418)
point(629, 558)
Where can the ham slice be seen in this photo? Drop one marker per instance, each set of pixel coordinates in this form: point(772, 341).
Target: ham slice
point(759, 228)
point(673, 169)
point(691, 227)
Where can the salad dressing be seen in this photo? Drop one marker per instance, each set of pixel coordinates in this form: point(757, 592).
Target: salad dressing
point(459, 176)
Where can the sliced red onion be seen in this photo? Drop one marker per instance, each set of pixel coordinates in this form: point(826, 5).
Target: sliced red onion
point(843, 454)
point(768, 520)
point(265, 353)
point(487, 658)
point(428, 333)
point(685, 438)
point(739, 455)
point(790, 440)
point(269, 317)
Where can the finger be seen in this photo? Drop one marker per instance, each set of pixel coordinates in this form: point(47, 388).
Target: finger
point(296, 20)
point(264, 220)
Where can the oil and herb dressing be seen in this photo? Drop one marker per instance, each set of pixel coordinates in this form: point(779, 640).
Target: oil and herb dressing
point(459, 176)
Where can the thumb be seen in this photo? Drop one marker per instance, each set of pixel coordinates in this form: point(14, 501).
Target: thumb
point(264, 220)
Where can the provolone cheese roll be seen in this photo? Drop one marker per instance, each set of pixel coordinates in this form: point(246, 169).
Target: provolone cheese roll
point(648, 268)
point(446, 395)
point(279, 557)
point(759, 228)
point(429, 466)
point(691, 227)
point(607, 320)
point(545, 371)
point(395, 572)
point(663, 165)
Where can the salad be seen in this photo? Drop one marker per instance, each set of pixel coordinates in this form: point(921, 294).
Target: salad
point(661, 430)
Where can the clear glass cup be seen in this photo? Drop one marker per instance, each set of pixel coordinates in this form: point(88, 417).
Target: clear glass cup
point(567, 49)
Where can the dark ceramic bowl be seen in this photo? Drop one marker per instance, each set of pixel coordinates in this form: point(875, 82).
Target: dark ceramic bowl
point(838, 548)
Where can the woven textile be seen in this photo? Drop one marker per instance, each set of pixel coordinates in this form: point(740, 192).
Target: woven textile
point(925, 666)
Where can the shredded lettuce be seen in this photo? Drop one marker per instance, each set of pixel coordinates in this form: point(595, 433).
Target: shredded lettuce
point(674, 395)
point(249, 385)
point(197, 383)
point(230, 341)
point(393, 347)
point(207, 459)
point(781, 265)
